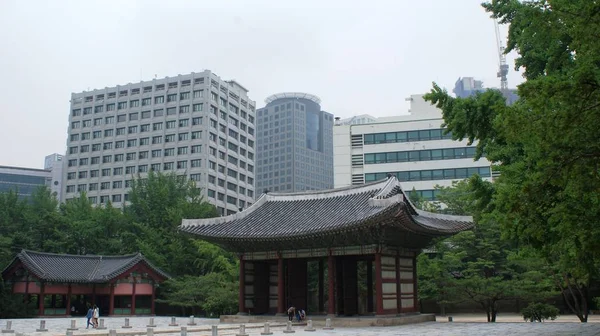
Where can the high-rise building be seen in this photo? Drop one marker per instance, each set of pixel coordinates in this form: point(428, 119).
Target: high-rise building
point(467, 86)
point(25, 181)
point(413, 148)
point(295, 144)
point(195, 125)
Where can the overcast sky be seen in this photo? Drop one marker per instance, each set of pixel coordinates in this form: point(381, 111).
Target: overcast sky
point(357, 56)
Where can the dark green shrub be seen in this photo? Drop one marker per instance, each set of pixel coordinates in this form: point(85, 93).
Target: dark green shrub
point(539, 312)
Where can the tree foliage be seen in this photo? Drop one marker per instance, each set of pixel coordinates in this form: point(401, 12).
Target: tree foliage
point(148, 225)
point(546, 145)
point(477, 265)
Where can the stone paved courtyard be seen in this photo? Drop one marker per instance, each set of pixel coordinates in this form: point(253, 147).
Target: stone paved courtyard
point(512, 326)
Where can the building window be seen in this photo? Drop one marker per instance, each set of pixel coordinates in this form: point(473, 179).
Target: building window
point(429, 175)
point(197, 163)
point(159, 100)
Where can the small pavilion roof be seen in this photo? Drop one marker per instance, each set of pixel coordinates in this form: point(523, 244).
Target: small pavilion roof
point(378, 212)
point(79, 268)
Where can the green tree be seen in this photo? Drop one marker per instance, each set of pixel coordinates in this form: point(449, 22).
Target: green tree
point(158, 204)
point(545, 146)
point(477, 265)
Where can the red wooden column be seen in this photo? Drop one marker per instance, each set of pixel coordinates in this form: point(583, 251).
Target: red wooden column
point(415, 295)
point(280, 287)
point(133, 297)
point(153, 298)
point(41, 300)
point(111, 300)
point(378, 284)
point(331, 282)
point(68, 308)
point(242, 294)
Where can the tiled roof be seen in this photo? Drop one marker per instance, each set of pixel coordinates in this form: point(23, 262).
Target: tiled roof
point(302, 216)
point(80, 268)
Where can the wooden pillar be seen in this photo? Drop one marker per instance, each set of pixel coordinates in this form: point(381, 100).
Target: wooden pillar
point(398, 287)
point(68, 305)
point(133, 296)
point(94, 294)
point(53, 301)
point(242, 290)
point(321, 286)
point(415, 295)
point(26, 296)
point(111, 299)
point(41, 299)
point(153, 298)
point(370, 286)
point(378, 284)
point(280, 287)
point(331, 284)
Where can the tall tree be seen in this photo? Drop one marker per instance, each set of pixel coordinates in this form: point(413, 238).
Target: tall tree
point(545, 146)
point(158, 204)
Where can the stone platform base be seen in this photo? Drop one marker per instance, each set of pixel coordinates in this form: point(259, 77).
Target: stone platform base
point(319, 320)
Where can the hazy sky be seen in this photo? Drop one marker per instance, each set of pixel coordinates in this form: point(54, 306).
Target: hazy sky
point(357, 56)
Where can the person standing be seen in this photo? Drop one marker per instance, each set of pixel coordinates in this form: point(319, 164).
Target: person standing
point(96, 315)
point(89, 315)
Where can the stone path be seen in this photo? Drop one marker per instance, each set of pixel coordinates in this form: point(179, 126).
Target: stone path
point(511, 326)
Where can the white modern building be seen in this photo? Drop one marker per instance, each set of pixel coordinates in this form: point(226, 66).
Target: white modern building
point(412, 147)
point(25, 181)
point(196, 125)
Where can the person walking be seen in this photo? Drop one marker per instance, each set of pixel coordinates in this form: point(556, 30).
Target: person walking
point(89, 315)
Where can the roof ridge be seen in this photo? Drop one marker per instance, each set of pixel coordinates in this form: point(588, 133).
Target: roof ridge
point(95, 271)
point(81, 255)
point(368, 186)
point(24, 254)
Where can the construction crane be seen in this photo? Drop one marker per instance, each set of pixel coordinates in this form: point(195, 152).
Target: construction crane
point(503, 67)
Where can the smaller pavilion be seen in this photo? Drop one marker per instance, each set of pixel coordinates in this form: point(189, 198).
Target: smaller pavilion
point(343, 252)
point(65, 284)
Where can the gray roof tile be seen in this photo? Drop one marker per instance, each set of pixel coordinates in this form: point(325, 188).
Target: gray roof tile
point(80, 268)
point(298, 216)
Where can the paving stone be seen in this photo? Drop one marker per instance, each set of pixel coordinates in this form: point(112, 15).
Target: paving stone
point(58, 326)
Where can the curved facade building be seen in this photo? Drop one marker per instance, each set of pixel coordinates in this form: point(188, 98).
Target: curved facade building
point(295, 144)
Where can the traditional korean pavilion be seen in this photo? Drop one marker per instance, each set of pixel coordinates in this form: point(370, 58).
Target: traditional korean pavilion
point(360, 236)
point(65, 284)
